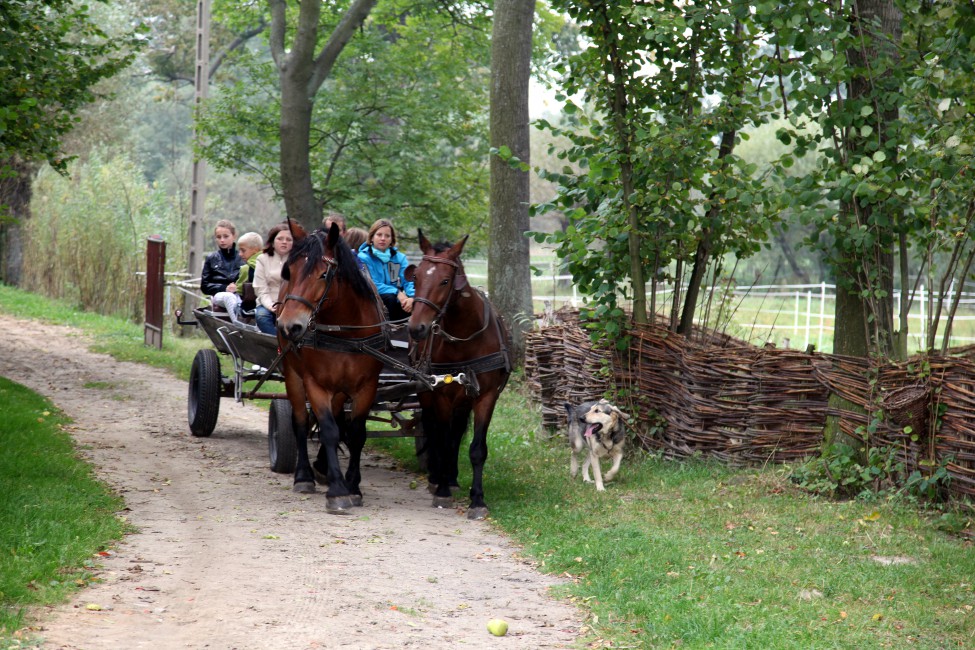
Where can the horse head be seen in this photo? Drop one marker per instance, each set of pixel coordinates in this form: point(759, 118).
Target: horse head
point(311, 274)
point(439, 274)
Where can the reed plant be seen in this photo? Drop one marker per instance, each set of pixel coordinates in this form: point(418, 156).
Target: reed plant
point(86, 240)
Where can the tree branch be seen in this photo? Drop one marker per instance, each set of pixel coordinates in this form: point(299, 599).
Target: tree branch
point(342, 34)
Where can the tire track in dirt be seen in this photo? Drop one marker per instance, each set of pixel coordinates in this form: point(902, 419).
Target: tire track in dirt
point(227, 557)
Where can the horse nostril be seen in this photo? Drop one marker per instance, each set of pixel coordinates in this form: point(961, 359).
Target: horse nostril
point(292, 332)
point(419, 332)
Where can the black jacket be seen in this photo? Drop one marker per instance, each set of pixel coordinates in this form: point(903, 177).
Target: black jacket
point(220, 269)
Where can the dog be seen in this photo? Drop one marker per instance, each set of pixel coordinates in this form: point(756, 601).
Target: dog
point(596, 428)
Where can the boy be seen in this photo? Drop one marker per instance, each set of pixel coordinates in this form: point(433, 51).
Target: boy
point(250, 246)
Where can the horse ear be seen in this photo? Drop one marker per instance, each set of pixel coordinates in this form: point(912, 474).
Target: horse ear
point(410, 273)
point(297, 232)
point(458, 248)
point(425, 245)
point(332, 235)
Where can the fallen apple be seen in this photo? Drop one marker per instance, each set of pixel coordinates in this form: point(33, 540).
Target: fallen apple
point(498, 627)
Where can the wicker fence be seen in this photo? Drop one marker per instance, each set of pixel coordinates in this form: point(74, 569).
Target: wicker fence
point(745, 405)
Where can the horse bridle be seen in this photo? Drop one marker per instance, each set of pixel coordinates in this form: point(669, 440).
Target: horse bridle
point(328, 275)
point(435, 327)
point(453, 277)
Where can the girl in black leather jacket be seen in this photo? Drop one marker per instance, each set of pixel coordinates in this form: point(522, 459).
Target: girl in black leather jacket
point(222, 267)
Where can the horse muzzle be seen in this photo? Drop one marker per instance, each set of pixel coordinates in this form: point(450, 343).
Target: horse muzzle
point(292, 329)
point(420, 331)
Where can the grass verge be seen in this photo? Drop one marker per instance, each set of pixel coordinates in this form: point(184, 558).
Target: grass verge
point(56, 516)
point(695, 554)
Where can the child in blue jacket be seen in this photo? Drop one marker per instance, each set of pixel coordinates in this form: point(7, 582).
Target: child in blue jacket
point(387, 267)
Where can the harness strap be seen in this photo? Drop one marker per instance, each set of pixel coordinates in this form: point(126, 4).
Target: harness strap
point(373, 345)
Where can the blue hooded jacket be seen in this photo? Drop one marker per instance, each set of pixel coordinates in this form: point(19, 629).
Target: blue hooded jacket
point(389, 277)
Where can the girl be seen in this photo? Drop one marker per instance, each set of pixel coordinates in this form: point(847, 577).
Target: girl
point(387, 267)
point(222, 267)
point(267, 276)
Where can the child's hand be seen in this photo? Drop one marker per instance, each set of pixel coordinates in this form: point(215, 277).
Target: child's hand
point(232, 287)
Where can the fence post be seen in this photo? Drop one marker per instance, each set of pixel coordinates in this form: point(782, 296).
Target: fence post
point(822, 315)
point(924, 337)
point(808, 318)
point(155, 281)
point(795, 320)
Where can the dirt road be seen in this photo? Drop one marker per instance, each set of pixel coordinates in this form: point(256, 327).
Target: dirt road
point(227, 557)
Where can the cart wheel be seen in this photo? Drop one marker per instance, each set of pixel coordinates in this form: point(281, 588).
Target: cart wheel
point(281, 444)
point(203, 404)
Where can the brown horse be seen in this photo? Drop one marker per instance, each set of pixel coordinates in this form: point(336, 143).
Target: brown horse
point(331, 312)
point(456, 330)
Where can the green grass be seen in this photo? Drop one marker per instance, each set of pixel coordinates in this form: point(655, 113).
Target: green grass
point(694, 554)
point(55, 515)
point(698, 555)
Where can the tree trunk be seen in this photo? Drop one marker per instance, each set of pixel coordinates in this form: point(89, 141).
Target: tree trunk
point(15, 195)
point(302, 72)
point(874, 272)
point(704, 247)
point(509, 275)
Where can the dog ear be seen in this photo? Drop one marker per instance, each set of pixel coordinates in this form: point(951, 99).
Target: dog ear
point(568, 408)
point(620, 413)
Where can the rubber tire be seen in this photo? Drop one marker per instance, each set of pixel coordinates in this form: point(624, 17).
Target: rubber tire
point(203, 403)
point(281, 447)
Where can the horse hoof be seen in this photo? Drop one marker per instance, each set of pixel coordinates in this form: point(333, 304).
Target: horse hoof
point(431, 488)
point(478, 513)
point(304, 487)
point(442, 502)
point(339, 505)
point(357, 500)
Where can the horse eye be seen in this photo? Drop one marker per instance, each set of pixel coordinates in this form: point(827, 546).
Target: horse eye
point(444, 282)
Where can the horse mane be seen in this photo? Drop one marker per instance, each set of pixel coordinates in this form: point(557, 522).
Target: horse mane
point(347, 263)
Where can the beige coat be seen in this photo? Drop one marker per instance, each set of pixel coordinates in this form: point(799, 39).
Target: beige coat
point(267, 279)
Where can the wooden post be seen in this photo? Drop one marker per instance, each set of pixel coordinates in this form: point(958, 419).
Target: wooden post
point(155, 282)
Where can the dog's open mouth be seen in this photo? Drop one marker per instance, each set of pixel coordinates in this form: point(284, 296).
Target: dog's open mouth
point(593, 428)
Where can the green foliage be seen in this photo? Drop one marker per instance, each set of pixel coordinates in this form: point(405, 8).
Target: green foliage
point(399, 126)
point(645, 156)
point(55, 515)
point(87, 239)
point(52, 53)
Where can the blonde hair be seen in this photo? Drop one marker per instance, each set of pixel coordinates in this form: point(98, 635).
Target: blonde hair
point(226, 223)
point(251, 240)
point(380, 223)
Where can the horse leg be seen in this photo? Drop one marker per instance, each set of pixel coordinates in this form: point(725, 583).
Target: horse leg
point(356, 440)
point(304, 481)
point(459, 421)
point(320, 466)
point(483, 410)
point(438, 449)
point(304, 476)
point(338, 501)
